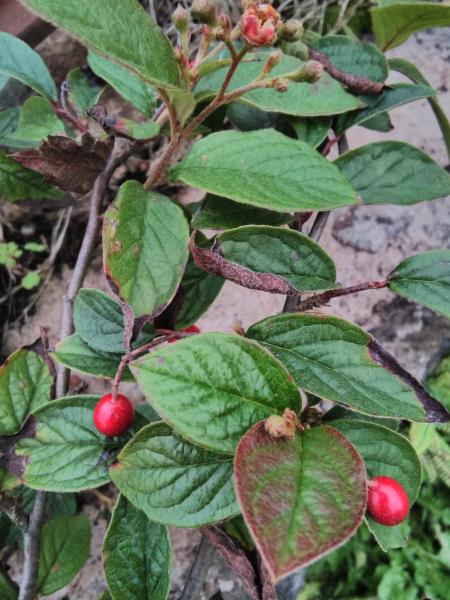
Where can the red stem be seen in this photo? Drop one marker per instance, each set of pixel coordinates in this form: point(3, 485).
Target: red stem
point(69, 118)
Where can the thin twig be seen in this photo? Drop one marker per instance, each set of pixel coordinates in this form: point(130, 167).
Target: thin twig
point(323, 298)
point(199, 570)
point(31, 548)
point(84, 258)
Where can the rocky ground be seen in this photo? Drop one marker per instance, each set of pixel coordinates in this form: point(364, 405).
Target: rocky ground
point(366, 243)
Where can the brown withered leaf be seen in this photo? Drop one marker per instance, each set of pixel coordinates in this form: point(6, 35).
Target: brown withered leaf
point(212, 261)
point(71, 166)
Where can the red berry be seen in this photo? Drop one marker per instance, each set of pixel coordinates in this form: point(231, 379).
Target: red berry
point(113, 416)
point(387, 502)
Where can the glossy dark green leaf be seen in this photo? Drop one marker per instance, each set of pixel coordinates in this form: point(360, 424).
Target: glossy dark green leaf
point(249, 118)
point(74, 353)
point(37, 120)
point(25, 384)
point(145, 248)
point(354, 57)
point(119, 30)
point(266, 169)
point(83, 93)
point(9, 121)
point(394, 173)
point(300, 498)
point(213, 387)
point(137, 555)
point(394, 23)
point(222, 213)
point(396, 95)
point(65, 453)
point(331, 358)
point(387, 453)
point(311, 131)
point(425, 278)
point(283, 252)
point(21, 62)
point(19, 183)
point(7, 589)
point(173, 481)
point(381, 122)
point(325, 97)
point(64, 550)
point(99, 322)
point(198, 290)
point(139, 93)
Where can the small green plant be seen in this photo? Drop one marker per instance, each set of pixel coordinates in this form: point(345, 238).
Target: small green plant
point(249, 115)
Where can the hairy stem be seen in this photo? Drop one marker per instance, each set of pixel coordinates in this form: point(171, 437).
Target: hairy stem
point(31, 548)
point(323, 298)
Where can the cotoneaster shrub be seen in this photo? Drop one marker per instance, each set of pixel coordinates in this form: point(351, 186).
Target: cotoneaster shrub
point(249, 116)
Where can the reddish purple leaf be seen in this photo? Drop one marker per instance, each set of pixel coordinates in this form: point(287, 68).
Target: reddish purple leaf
point(300, 498)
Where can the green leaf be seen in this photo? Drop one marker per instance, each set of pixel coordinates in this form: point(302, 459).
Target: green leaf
point(25, 384)
point(174, 482)
point(394, 173)
point(31, 280)
point(65, 453)
point(137, 555)
point(412, 72)
point(74, 353)
point(381, 122)
point(222, 213)
point(438, 382)
point(7, 589)
point(266, 169)
point(249, 118)
point(394, 24)
point(19, 183)
point(396, 95)
point(425, 278)
point(35, 247)
point(19, 61)
point(64, 550)
point(331, 358)
point(145, 248)
point(140, 131)
point(354, 57)
point(198, 290)
point(283, 252)
point(213, 387)
point(311, 131)
point(133, 89)
point(119, 30)
point(99, 322)
point(300, 498)
point(9, 253)
point(325, 97)
point(9, 120)
point(83, 94)
point(37, 120)
point(387, 453)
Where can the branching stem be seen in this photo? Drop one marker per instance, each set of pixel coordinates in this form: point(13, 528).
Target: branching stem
point(323, 298)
